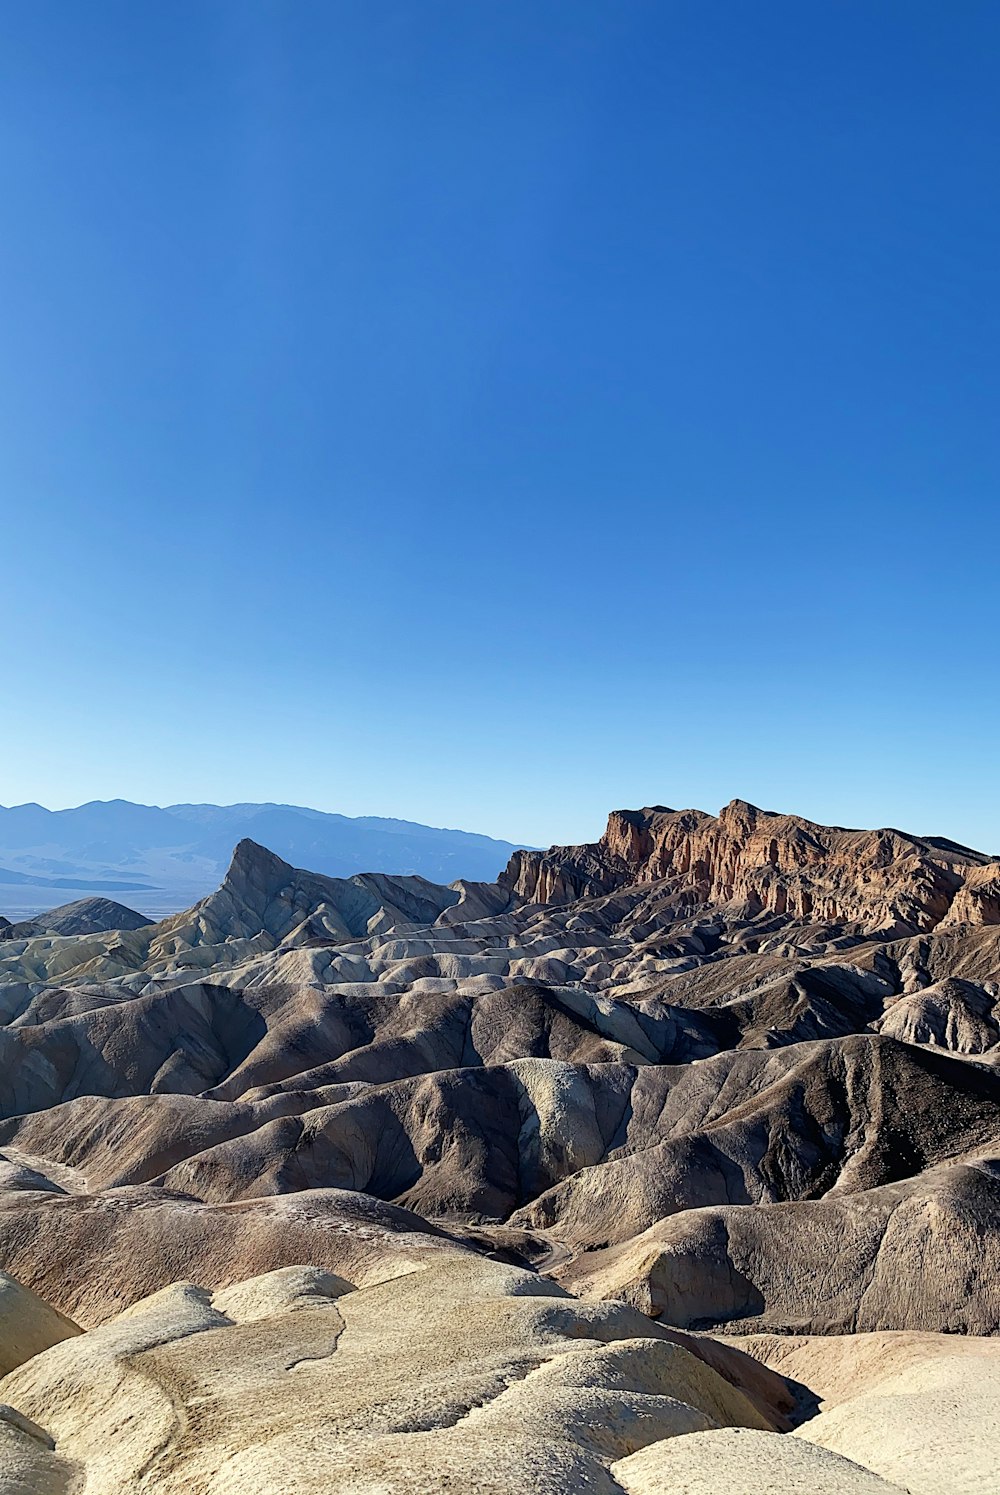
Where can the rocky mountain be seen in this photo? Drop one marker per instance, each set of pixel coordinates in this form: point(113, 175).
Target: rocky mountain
point(165, 859)
point(605, 1174)
point(84, 916)
point(876, 882)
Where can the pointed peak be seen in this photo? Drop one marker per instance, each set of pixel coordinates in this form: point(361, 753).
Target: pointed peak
point(250, 859)
point(743, 812)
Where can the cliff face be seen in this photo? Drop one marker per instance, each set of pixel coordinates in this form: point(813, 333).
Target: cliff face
point(882, 881)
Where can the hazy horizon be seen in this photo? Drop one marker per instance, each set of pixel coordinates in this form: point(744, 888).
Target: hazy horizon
point(471, 830)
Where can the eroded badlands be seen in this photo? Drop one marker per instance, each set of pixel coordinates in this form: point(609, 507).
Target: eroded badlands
point(669, 1163)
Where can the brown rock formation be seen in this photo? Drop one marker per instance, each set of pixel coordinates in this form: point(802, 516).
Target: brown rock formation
point(882, 881)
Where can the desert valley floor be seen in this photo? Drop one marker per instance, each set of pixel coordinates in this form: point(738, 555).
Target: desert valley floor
point(665, 1164)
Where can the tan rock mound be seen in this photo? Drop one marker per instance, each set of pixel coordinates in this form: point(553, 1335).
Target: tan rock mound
point(28, 1324)
point(95, 1255)
point(920, 1254)
point(29, 1464)
point(738, 1461)
point(933, 1427)
point(473, 1375)
point(951, 1014)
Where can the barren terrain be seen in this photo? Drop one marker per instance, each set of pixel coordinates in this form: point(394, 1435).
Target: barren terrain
point(668, 1163)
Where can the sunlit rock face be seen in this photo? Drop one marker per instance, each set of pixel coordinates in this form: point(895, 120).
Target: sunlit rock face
point(733, 1073)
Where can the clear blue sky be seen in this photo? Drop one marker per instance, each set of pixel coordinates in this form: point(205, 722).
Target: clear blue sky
point(496, 413)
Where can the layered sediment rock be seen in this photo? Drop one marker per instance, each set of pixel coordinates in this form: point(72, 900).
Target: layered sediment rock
point(883, 881)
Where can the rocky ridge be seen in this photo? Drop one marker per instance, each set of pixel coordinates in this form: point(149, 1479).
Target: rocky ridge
point(876, 882)
point(732, 1073)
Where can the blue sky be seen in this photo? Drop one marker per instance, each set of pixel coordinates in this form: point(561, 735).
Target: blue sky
point(496, 413)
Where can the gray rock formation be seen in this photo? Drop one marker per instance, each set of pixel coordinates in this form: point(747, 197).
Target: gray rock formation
point(85, 916)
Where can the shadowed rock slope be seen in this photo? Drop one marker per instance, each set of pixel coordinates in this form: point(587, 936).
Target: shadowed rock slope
point(84, 916)
point(739, 1072)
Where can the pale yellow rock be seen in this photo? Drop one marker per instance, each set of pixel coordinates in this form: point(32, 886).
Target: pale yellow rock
point(475, 1373)
point(934, 1427)
point(278, 1292)
point(28, 1463)
point(736, 1461)
point(921, 1409)
point(28, 1324)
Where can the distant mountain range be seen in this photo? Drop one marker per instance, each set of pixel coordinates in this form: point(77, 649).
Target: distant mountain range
point(162, 860)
